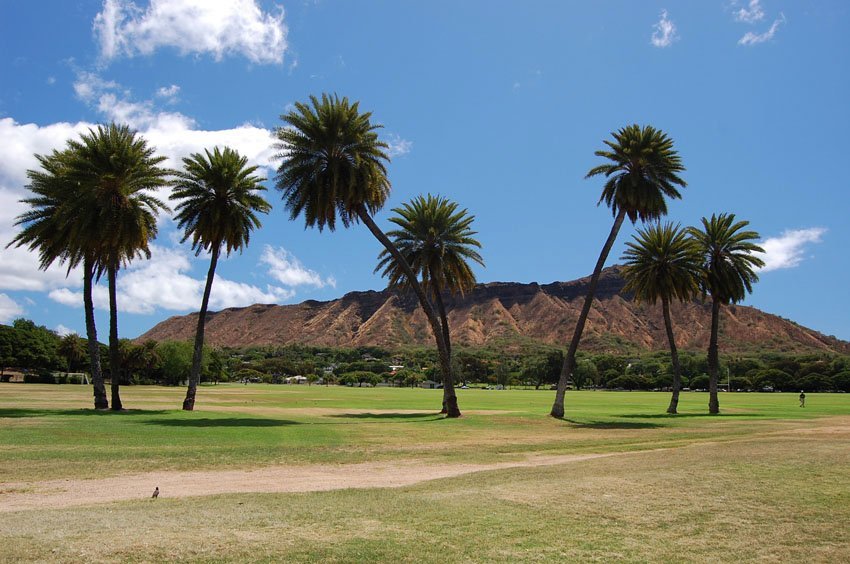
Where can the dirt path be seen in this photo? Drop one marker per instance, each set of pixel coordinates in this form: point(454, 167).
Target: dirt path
point(56, 494)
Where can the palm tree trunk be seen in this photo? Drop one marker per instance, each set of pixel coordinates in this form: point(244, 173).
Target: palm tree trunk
point(713, 359)
point(444, 322)
point(452, 409)
point(570, 361)
point(674, 357)
point(100, 400)
point(197, 354)
point(114, 351)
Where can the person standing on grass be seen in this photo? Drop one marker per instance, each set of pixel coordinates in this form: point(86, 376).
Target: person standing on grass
point(802, 398)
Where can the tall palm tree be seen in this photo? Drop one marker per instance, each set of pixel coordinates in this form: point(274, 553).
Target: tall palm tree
point(437, 242)
point(728, 274)
point(51, 228)
point(642, 170)
point(663, 263)
point(116, 171)
point(333, 166)
point(218, 207)
point(71, 348)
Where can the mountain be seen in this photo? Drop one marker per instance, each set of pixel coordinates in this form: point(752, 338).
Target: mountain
point(501, 314)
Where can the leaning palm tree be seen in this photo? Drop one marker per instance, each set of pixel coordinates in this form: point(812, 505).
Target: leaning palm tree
point(51, 228)
point(116, 171)
point(333, 167)
point(642, 170)
point(663, 263)
point(437, 242)
point(728, 274)
point(218, 207)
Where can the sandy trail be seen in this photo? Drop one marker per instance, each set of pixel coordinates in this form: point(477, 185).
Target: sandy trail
point(55, 494)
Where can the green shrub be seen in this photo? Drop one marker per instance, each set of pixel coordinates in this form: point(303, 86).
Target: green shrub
point(841, 381)
point(699, 382)
point(815, 382)
point(630, 382)
point(41, 378)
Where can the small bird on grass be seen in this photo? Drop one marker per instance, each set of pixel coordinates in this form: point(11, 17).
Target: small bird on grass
point(155, 493)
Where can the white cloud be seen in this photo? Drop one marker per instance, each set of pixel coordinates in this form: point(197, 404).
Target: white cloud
point(20, 270)
point(89, 86)
point(751, 38)
point(162, 283)
point(787, 250)
point(63, 331)
point(751, 13)
point(288, 270)
point(168, 93)
point(665, 31)
point(191, 26)
point(9, 309)
point(21, 141)
point(174, 136)
point(397, 145)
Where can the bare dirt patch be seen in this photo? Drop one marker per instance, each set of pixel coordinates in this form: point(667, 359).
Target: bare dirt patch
point(274, 479)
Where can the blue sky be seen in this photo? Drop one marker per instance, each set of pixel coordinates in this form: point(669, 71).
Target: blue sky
point(497, 105)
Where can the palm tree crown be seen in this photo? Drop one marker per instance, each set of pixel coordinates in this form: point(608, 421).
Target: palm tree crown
point(729, 262)
point(662, 263)
point(218, 200)
point(333, 162)
point(643, 170)
point(46, 225)
point(117, 171)
point(437, 242)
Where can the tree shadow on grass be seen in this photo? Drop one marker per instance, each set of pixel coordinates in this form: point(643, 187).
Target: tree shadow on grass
point(612, 424)
point(411, 417)
point(14, 413)
point(224, 422)
point(688, 415)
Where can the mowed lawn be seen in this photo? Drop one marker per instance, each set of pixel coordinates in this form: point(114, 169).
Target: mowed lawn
point(766, 480)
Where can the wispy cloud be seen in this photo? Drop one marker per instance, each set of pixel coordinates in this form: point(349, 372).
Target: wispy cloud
point(751, 38)
point(191, 26)
point(397, 145)
point(665, 31)
point(788, 250)
point(168, 93)
point(288, 270)
point(751, 13)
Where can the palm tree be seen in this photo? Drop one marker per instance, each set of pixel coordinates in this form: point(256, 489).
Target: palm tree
point(218, 207)
point(728, 273)
point(663, 263)
point(52, 228)
point(333, 166)
point(437, 242)
point(643, 169)
point(116, 170)
point(71, 348)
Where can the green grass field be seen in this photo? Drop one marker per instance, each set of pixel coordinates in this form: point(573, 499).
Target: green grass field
point(764, 481)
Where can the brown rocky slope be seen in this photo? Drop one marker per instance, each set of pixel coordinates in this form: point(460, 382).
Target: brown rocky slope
point(499, 313)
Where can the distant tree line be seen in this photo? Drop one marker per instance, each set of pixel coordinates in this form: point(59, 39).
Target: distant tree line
point(45, 356)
